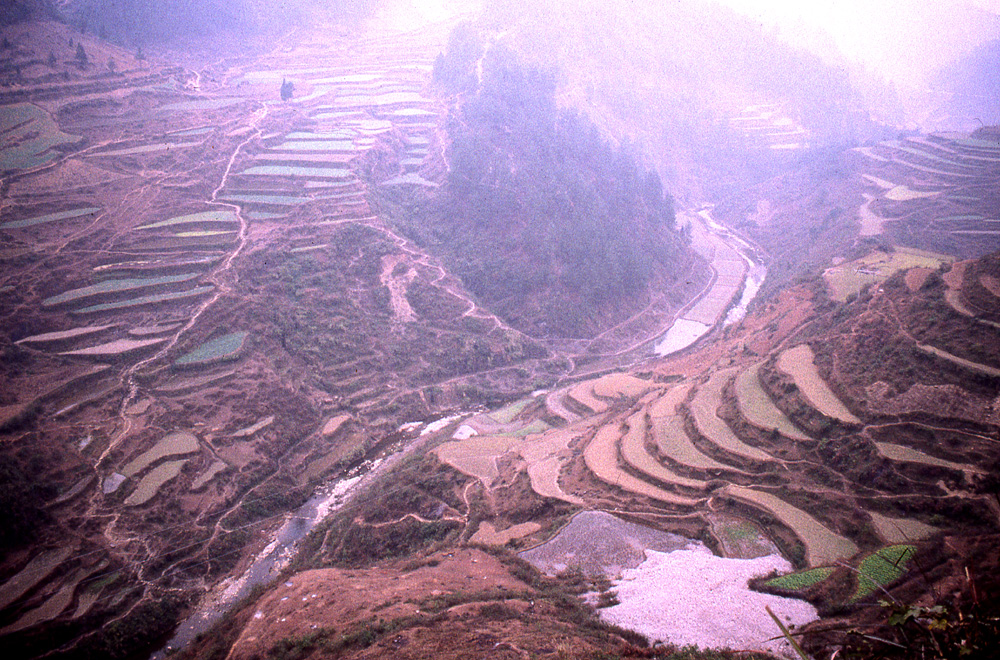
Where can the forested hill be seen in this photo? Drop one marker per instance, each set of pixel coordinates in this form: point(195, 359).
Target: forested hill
point(558, 230)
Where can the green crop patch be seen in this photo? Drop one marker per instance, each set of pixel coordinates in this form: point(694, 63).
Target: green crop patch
point(882, 568)
point(800, 580)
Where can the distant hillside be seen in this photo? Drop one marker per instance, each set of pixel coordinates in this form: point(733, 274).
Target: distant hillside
point(135, 22)
point(973, 83)
point(673, 76)
point(547, 222)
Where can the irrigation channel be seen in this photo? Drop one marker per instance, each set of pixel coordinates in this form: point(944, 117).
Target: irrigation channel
point(737, 271)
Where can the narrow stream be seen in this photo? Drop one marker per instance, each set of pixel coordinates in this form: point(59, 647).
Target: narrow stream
point(268, 563)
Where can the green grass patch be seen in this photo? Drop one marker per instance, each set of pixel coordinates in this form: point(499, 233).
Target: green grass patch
point(800, 580)
point(882, 568)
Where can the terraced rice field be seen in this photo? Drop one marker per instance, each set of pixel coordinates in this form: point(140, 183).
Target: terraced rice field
point(39, 568)
point(476, 456)
point(758, 408)
point(28, 137)
point(117, 348)
point(146, 149)
point(822, 545)
point(905, 194)
point(704, 405)
point(62, 335)
point(908, 454)
point(601, 456)
point(205, 477)
point(150, 485)
point(299, 171)
point(546, 455)
point(900, 530)
point(226, 347)
point(50, 217)
point(634, 453)
point(798, 363)
point(673, 442)
point(177, 443)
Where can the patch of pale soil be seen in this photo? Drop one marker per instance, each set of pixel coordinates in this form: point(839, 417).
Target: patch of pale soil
point(487, 534)
point(597, 542)
point(334, 423)
point(693, 597)
point(397, 286)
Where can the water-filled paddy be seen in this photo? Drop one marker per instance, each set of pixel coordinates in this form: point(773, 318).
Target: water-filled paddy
point(28, 136)
point(274, 200)
point(299, 171)
point(222, 217)
point(225, 347)
point(51, 217)
point(172, 444)
point(147, 149)
point(153, 481)
point(200, 104)
point(115, 286)
point(315, 145)
point(145, 300)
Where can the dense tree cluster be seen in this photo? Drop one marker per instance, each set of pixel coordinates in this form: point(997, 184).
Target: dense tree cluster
point(536, 200)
